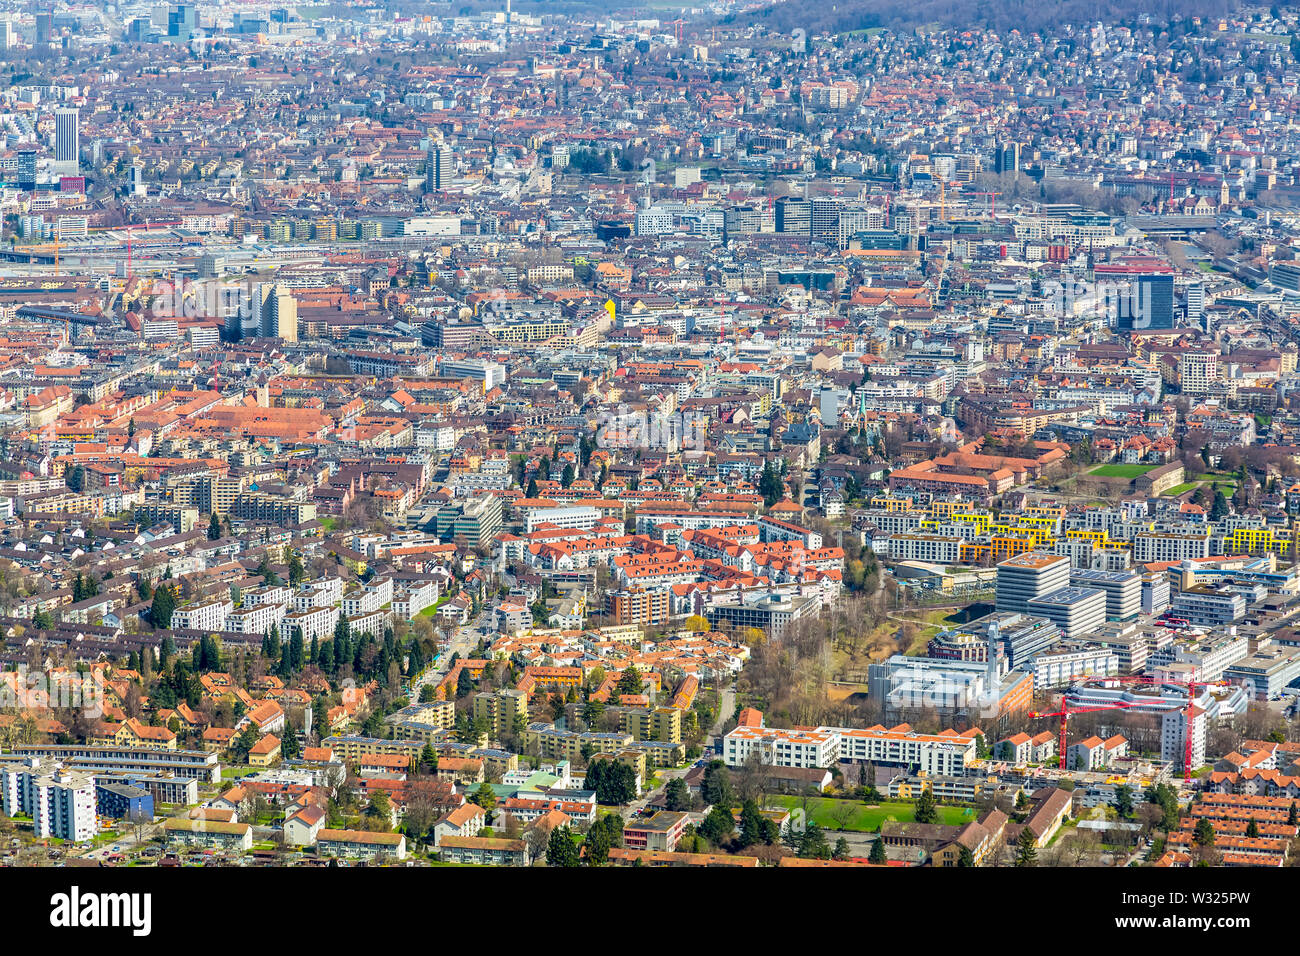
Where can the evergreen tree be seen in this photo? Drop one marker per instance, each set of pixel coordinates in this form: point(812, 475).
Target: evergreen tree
point(965, 857)
point(718, 825)
point(813, 846)
point(926, 810)
point(1124, 800)
point(629, 682)
point(163, 607)
point(214, 527)
point(1204, 832)
point(297, 573)
point(770, 485)
point(877, 855)
point(560, 850)
point(428, 759)
point(1026, 852)
point(290, 744)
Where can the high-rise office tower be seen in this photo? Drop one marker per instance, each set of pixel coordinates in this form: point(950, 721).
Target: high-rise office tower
point(793, 216)
point(27, 169)
point(6, 34)
point(1195, 303)
point(824, 220)
point(1028, 576)
point(183, 22)
point(277, 311)
point(44, 28)
point(1141, 301)
point(67, 146)
point(1006, 159)
point(440, 168)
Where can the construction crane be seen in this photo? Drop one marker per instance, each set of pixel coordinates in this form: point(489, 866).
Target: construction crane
point(1191, 686)
point(1065, 712)
point(993, 203)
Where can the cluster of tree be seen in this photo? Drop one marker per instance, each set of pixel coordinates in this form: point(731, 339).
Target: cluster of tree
point(613, 781)
point(560, 848)
point(604, 835)
point(771, 483)
point(590, 161)
point(83, 587)
point(163, 606)
point(1022, 15)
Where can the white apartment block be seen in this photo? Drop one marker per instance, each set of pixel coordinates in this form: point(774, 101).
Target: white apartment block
point(1208, 657)
point(371, 623)
point(382, 588)
point(1167, 546)
point(61, 803)
point(407, 604)
point(1055, 667)
point(358, 601)
point(939, 549)
point(204, 616)
point(781, 748)
point(323, 593)
point(581, 517)
point(1173, 737)
point(317, 622)
point(256, 619)
point(271, 594)
point(948, 753)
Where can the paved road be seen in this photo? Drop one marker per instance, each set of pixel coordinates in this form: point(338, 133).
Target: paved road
point(644, 800)
point(726, 709)
point(463, 641)
point(125, 843)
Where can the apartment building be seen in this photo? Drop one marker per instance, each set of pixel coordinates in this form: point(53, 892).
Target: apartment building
point(945, 753)
point(204, 616)
point(318, 622)
point(360, 844)
point(60, 802)
point(781, 748)
point(256, 619)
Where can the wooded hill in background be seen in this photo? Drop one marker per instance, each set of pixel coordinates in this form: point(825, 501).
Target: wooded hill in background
point(845, 16)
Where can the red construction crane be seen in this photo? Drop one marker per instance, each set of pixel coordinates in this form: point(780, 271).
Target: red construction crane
point(1191, 686)
point(1065, 712)
point(993, 203)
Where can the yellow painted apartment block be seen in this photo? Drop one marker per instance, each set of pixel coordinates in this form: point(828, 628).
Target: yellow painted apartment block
point(1255, 541)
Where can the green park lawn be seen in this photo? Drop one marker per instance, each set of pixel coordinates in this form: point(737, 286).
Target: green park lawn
point(1177, 490)
point(1121, 471)
point(868, 817)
